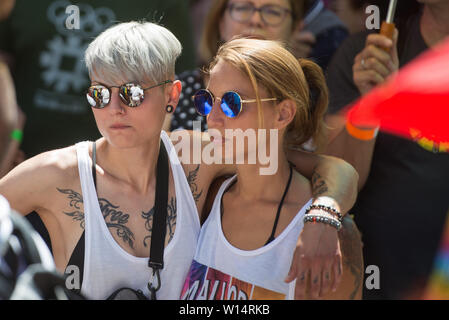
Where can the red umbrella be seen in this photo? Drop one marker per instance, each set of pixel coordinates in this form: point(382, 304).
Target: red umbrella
point(414, 103)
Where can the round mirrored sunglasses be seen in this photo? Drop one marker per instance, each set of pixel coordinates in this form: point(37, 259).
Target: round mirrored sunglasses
point(98, 96)
point(230, 102)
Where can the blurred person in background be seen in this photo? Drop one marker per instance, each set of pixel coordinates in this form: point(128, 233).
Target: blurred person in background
point(402, 205)
point(11, 117)
point(319, 35)
point(198, 12)
point(11, 123)
point(227, 19)
point(353, 13)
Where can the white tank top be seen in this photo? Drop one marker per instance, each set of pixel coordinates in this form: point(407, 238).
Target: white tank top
point(221, 271)
point(108, 267)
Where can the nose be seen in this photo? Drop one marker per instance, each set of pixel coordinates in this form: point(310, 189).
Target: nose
point(256, 19)
point(116, 105)
point(215, 119)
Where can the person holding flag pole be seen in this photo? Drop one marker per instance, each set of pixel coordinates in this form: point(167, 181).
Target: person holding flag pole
point(404, 169)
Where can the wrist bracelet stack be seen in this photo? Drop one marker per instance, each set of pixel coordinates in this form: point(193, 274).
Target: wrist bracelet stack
point(330, 216)
point(323, 219)
point(327, 209)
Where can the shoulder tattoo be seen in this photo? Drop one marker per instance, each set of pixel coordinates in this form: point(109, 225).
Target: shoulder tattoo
point(191, 179)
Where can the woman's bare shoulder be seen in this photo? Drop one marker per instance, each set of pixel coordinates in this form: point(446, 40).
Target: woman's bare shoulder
point(28, 185)
point(54, 164)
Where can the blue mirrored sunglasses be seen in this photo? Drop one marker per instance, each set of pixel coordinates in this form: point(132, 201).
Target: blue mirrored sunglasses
point(230, 102)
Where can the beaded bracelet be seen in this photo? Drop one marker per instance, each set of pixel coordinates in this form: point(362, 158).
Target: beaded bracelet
point(323, 219)
point(327, 209)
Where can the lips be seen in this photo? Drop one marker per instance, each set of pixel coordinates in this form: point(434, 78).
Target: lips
point(118, 126)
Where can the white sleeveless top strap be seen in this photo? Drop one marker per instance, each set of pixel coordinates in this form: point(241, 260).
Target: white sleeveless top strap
point(221, 271)
point(107, 267)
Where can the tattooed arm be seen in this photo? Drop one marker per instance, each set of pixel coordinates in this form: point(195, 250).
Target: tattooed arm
point(351, 248)
point(351, 284)
point(334, 181)
point(317, 260)
point(75, 202)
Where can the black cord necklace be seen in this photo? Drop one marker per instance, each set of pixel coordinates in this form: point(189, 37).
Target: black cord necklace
point(278, 213)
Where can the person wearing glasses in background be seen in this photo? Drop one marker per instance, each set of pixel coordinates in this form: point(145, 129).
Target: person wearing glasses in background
point(264, 19)
point(97, 199)
point(403, 182)
point(241, 254)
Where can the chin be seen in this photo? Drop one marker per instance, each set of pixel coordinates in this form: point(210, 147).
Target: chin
point(254, 36)
point(120, 142)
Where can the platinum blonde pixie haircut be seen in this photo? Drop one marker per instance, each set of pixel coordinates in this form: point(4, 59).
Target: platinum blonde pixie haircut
point(141, 52)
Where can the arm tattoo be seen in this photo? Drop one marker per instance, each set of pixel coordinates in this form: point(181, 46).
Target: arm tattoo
point(352, 252)
point(319, 186)
point(191, 179)
point(171, 220)
point(75, 200)
point(117, 220)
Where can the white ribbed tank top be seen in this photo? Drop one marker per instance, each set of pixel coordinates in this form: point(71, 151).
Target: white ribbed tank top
point(108, 267)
